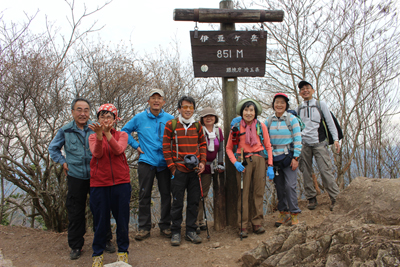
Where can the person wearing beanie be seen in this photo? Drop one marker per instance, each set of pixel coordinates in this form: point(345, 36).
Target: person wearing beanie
point(252, 136)
point(215, 156)
point(285, 135)
point(110, 187)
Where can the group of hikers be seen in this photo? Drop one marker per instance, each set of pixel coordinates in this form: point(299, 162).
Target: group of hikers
point(183, 154)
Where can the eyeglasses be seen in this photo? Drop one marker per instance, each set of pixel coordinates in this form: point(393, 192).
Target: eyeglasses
point(187, 107)
point(80, 111)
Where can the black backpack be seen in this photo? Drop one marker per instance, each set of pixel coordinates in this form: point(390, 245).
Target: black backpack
point(328, 134)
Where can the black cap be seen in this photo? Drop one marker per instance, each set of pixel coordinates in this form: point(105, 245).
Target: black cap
point(302, 83)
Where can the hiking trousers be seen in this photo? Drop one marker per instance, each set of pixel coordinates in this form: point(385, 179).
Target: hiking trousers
point(253, 177)
point(146, 174)
point(185, 181)
point(78, 190)
point(321, 154)
point(103, 199)
point(286, 189)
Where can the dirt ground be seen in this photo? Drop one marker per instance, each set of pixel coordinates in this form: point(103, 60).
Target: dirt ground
point(32, 247)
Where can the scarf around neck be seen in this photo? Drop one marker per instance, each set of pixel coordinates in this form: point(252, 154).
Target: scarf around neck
point(251, 132)
point(186, 123)
point(210, 136)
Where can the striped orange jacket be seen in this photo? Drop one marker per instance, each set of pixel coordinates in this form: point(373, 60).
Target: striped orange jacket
point(192, 142)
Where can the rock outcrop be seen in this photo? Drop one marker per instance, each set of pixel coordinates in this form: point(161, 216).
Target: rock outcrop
point(363, 230)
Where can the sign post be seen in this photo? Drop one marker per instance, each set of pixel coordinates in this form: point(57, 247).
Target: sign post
point(228, 54)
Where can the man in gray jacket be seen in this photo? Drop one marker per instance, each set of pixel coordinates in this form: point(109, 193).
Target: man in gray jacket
point(74, 137)
point(315, 144)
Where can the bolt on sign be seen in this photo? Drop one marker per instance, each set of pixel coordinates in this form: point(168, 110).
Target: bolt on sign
point(228, 53)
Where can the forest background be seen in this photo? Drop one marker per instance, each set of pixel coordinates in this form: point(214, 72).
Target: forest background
point(348, 50)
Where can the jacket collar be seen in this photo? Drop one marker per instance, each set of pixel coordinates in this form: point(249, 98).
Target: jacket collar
point(85, 127)
point(151, 115)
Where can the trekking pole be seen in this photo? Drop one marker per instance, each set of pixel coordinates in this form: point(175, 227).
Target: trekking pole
point(241, 199)
point(204, 206)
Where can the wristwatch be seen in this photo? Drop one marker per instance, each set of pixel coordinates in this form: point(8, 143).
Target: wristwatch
point(296, 158)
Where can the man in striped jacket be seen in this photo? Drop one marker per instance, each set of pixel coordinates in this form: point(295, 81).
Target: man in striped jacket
point(184, 136)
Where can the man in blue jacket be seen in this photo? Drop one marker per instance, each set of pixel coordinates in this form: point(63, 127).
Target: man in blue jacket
point(149, 126)
point(74, 137)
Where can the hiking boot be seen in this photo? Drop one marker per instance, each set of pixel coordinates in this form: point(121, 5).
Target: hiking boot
point(176, 239)
point(333, 202)
point(312, 203)
point(166, 232)
point(193, 237)
point(283, 218)
point(243, 233)
point(198, 231)
point(98, 261)
point(258, 229)
point(110, 248)
point(294, 219)
point(122, 256)
point(75, 254)
point(142, 234)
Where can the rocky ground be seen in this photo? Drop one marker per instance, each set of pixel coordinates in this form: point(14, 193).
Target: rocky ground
point(362, 230)
point(32, 247)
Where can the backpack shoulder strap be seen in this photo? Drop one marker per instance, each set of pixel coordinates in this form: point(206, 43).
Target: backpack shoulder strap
point(197, 125)
point(269, 122)
point(320, 110)
point(173, 123)
point(217, 132)
point(288, 122)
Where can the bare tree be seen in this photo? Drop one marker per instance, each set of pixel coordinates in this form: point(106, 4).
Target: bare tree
point(349, 52)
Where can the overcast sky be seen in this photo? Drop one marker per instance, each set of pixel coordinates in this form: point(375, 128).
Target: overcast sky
point(146, 24)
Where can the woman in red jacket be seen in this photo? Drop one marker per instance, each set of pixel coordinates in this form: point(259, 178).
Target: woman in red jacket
point(110, 187)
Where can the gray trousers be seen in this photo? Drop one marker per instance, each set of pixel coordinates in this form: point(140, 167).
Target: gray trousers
point(285, 184)
point(321, 154)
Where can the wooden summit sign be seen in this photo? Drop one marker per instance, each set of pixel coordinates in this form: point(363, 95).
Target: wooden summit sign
point(228, 53)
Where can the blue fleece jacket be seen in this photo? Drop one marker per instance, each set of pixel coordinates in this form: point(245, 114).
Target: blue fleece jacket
point(150, 130)
point(76, 147)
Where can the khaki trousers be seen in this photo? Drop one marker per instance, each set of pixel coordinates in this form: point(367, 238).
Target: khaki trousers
point(253, 177)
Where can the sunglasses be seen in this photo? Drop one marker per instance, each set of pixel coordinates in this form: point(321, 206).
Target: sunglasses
point(187, 107)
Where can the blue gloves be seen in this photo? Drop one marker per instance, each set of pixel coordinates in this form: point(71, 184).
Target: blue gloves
point(270, 172)
point(239, 166)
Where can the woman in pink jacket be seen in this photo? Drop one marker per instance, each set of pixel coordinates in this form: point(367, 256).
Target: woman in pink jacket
point(110, 187)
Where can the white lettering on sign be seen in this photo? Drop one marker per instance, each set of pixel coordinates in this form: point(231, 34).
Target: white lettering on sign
point(204, 38)
point(254, 38)
point(237, 37)
point(240, 69)
point(221, 38)
point(228, 53)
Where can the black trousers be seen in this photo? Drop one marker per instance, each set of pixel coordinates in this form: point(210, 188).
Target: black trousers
point(78, 189)
point(181, 182)
point(146, 174)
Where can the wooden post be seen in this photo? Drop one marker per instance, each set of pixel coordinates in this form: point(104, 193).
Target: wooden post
point(230, 98)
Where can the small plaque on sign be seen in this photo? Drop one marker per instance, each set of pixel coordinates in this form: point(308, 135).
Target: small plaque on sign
point(228, 53)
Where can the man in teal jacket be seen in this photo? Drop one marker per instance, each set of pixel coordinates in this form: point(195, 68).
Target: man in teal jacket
point(74, 137)
point(149, 126)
